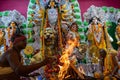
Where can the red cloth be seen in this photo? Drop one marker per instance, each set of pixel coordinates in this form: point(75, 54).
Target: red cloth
point(18, 39)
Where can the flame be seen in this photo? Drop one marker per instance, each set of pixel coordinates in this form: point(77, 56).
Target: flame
point(71, 44)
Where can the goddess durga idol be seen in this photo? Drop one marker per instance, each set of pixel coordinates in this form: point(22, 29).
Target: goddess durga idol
point(97, 34)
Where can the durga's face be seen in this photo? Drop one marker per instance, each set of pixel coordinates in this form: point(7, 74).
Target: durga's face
point(52, 15)
point(52, 3)
point(12, 24)
point(95, 20)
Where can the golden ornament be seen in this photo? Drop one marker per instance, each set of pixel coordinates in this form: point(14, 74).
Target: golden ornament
point(28, 50)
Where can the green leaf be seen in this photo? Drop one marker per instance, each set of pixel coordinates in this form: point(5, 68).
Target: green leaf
point(31, 40)
point(29, 31)
point(108, 23)
point(85, 29)
point(6, 13)
point(30, 25)
point(33, 1)
point(85, 23)
point(1, 14)
point(111, 9)
point(77, 10)
point(30, 18)
point(29, 55)
point(2, 26)
point(30, 12)
point(76, 5)
point(24, 25)
point(24, 31)
point(72, 0)
point(104, 8)
point(82, 37)
point(77, 16)
point(79, 23)
point(80, 29)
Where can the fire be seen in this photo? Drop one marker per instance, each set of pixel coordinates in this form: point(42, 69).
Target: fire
point(63, 69)
point(71, 44)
